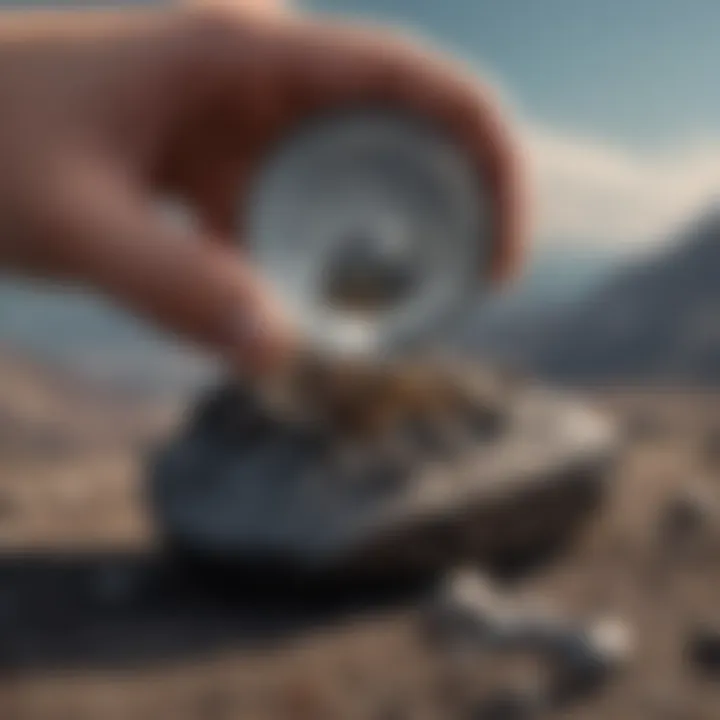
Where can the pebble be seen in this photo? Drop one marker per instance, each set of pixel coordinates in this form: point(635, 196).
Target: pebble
point(470, 613)
point(464, 610)
point(590, 656)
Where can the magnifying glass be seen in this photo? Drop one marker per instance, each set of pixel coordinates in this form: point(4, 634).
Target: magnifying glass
point(373, 229)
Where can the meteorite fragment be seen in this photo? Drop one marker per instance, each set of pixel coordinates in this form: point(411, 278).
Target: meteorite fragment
point(381, 471)
point(374, 229)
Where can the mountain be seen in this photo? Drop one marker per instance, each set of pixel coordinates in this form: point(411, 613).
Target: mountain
point(66, 328)
point(657, 319)
point(556, 279)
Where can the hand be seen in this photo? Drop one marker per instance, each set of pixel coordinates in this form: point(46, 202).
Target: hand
point(104, 113)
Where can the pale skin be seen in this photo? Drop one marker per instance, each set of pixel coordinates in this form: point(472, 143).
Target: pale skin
point(104, 113)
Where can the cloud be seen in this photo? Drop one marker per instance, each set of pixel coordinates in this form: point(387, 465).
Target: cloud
point(592, 192)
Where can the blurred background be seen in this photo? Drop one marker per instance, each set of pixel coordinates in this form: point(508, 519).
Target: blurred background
point(617, 105)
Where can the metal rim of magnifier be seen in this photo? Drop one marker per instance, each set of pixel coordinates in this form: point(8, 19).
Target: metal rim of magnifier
point(474, 273)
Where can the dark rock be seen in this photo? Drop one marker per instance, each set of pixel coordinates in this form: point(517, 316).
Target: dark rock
point(589, 657)
point(227, 491)
point(470, 614)
point(231, 412)
point(464, 611)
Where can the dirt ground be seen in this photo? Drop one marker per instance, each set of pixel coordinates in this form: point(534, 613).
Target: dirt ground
point(95, 625)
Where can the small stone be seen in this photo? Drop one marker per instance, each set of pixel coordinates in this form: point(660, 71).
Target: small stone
point(608, 640)
point(473, 610)
point(703, 649)
point(588, 657)
point(464, 610)
point(470, 614)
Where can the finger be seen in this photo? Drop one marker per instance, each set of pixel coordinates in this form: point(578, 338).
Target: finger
point(314, 66)
point(197, 289)
point(215, 193)
point(376, 65)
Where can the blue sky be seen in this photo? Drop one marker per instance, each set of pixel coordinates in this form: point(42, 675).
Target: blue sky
point(617, 101)
point(635, 72)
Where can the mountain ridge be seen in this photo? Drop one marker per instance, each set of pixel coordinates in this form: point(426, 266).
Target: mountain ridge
point(658, 318)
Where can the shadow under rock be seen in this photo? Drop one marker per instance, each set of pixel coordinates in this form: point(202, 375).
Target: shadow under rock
point(126, 610)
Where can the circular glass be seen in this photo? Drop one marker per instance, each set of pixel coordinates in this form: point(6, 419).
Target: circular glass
point(372, 228)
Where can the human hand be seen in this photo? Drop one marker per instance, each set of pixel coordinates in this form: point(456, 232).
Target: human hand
point(104, 113)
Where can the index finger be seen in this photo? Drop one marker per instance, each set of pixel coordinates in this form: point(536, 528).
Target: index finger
point(355, 63)
point(306, 66)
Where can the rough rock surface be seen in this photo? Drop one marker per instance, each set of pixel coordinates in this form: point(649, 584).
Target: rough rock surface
point(385, 471)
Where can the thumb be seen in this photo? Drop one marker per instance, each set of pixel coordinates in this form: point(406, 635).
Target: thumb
point(201, 290)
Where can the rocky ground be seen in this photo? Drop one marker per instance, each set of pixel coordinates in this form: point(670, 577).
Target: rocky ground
point(95, 625)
